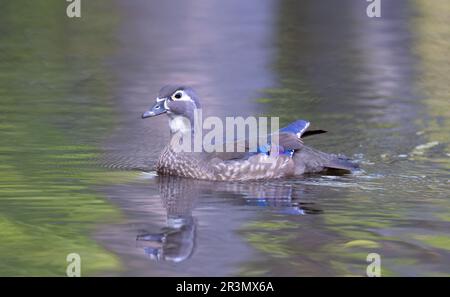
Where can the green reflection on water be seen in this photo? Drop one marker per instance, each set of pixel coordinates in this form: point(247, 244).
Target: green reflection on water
point(54, 94)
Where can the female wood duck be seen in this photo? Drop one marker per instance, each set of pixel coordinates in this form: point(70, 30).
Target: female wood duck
point(293, 158)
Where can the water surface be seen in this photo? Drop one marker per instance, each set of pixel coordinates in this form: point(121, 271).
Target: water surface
point(76, 159)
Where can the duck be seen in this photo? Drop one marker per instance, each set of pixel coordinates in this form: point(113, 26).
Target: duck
point(285, 158)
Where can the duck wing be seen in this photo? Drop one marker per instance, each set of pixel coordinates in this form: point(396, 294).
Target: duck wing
point(289, 140)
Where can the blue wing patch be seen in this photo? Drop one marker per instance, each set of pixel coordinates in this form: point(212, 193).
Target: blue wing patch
point(298, 127)
point(265, 149)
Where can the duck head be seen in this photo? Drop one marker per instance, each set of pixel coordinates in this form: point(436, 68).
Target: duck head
point(179, 103)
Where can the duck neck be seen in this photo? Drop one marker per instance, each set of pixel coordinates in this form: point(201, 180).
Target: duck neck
point(181, 124)
point(185, 133)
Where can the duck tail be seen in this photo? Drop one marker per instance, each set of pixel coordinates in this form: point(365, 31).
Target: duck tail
point(309, 160)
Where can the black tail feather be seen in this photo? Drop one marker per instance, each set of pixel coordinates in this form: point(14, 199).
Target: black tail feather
point(313, 132)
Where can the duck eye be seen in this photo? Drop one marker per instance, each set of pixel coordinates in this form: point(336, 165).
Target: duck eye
point(177, 96)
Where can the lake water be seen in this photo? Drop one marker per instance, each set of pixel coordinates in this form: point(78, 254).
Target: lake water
point(76, 159)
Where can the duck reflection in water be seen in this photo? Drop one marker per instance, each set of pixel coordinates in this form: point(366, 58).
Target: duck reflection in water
point(176, 242)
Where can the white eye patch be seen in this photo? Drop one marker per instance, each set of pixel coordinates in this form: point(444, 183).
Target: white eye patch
point(180, 95)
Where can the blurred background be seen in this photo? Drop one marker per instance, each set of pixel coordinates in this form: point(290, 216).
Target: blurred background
point(76, 159)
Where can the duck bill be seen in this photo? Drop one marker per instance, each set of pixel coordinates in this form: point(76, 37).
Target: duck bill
point(155, 110)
